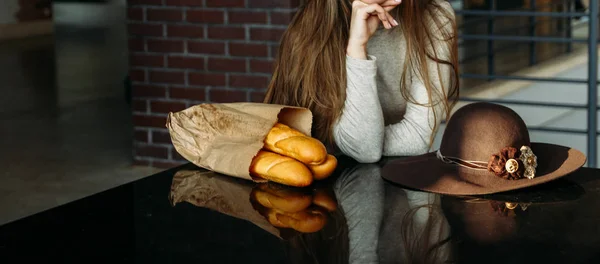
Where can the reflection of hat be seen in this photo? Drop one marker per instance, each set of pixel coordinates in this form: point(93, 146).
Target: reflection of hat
point(485, 149)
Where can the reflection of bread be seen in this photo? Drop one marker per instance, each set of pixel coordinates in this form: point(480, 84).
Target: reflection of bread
point(284, 200)
point(289, 142)
point(325, 200)
point(281, 169)
point(309, 221)
point(323, 171)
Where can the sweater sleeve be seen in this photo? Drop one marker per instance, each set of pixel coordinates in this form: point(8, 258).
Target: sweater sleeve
point(412, 135)
point(359, 131)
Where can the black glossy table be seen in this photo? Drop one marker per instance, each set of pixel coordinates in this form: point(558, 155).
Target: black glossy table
point(188, 214)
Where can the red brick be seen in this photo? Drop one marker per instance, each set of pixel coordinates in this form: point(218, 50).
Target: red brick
point(281, 17)
point(157, 45)
point(166, 164)
point(183, 2)
point(195, 94)
point(141, 136)
point(265, 66)
point(248, 81)
point(242, 17)
point(176, 156)
point(273, 3)
point(139, 91)
point(201, 79)
point(137, 75)
point(227, 65)
point(257, 97)
point(164, 15)
point(135, 13)
point(139, 106)
point(139, 162)
point(268, 34)
point(226, 33)
point(186, 62)
point(147, 60)
point(274, 51)
point(136, 44)
point(152, 151)
point(247, 49)
point(144, 2)
point(205, 16)
point(145, 30)
point(140, 120)
point(167, 77)
point(185, 31)
point(202, 47)
point(225, 3)
point(161, 137)
point(166, 107)
point(227, 96)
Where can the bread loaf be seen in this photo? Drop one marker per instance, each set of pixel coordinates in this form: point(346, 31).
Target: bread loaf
point(280, 169)
point(325, 169)
point(289, 142)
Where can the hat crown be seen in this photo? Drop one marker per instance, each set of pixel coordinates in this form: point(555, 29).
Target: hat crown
point(478, 130)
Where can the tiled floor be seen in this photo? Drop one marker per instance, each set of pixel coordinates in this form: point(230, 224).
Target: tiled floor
point(66, 127)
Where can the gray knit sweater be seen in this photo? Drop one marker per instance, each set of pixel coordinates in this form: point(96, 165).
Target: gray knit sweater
point(376, 119)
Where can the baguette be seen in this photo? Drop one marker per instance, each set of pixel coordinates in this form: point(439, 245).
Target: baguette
point(324, 170)
point(281, 169)
point(289, 142)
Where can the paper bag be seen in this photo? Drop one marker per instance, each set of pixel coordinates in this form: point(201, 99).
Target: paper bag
point(225, 137)
point(226, 195)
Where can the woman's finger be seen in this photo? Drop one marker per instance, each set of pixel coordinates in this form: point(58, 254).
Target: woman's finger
point(392, 20)
point(389, 3)
point(365, 11)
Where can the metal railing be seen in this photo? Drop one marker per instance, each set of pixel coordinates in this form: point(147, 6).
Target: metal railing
point(531, 39)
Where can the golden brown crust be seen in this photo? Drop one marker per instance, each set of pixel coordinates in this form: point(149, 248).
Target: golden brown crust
point(324, 170)
point(289, 142)
point(281, 169)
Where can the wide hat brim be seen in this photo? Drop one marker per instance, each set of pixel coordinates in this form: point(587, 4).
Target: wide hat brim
point(428, 173)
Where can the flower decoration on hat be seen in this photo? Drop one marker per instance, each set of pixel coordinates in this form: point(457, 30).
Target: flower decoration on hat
point(529, 160)
point(510, 163)
point(513, 164)
point(506, 164)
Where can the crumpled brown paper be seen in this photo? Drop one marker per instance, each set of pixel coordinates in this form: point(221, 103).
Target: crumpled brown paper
point(226, 195)
point(225, 137)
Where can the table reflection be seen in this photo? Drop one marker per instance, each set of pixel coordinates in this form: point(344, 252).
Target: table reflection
point(357, 217)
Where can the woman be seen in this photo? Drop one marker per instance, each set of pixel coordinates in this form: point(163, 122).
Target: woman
point(378, 75)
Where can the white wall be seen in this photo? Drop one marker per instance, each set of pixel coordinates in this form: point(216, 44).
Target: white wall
point(8, 9)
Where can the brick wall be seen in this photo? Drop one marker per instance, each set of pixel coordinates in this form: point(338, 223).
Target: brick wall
point(186, 52)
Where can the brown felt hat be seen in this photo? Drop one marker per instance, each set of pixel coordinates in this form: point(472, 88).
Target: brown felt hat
point(485, 149)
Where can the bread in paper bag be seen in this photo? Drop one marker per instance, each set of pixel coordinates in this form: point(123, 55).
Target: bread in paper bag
point(225, 137)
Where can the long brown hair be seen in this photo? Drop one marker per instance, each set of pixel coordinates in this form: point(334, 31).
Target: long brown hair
point(310, 68)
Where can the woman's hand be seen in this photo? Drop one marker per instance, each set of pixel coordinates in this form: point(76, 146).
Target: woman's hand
point(365, 19)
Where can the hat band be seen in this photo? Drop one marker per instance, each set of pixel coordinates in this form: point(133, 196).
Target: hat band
point(510, 163)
